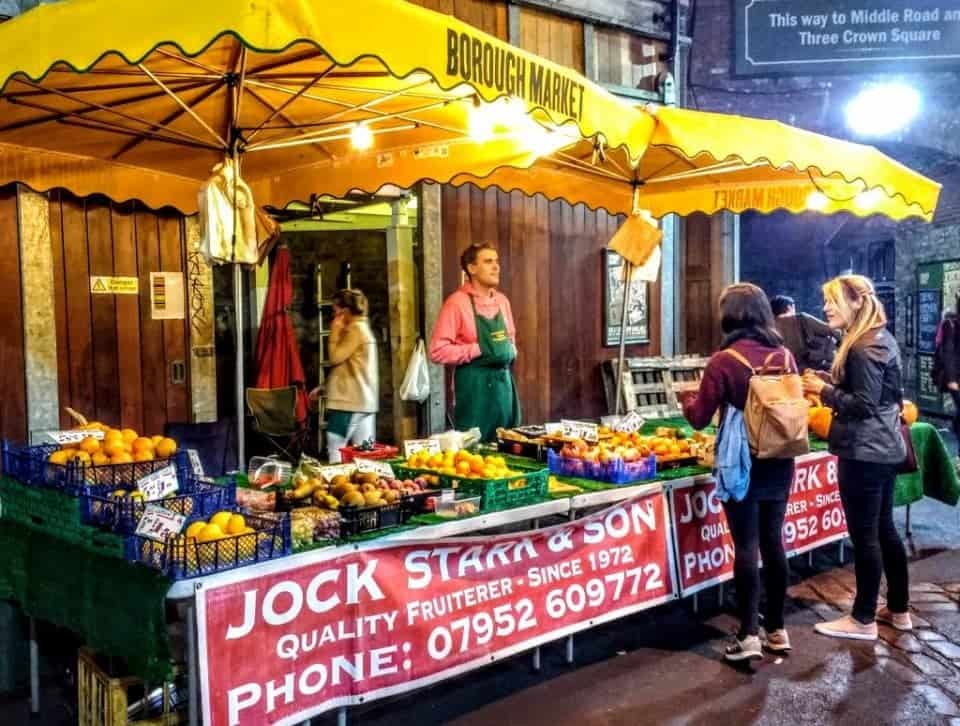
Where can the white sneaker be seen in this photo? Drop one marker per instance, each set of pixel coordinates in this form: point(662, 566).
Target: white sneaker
point(750, 648)
point(847, 627)
point(776, 641)
point(899, 621)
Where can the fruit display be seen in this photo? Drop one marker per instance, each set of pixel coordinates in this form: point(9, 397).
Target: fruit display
point(704, 447)
point(667, 445)
point(309, 525)
point(361, 489)
point(461, 464)
point(457, 508)
point(118, 446)
point(368, 450)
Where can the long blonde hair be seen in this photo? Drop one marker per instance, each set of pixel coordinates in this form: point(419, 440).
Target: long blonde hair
point(844, 291)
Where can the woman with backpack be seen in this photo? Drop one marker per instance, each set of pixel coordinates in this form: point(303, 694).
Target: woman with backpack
point(865, 393)
point(751, 343)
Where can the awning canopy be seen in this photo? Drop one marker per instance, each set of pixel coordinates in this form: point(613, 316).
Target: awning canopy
point(146, 105)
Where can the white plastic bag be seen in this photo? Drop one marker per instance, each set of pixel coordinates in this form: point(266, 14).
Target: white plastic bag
point(416, 381)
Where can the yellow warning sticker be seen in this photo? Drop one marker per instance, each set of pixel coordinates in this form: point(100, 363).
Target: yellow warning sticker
point(102, 285)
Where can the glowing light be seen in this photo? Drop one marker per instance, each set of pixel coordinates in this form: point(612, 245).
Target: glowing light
point(508, 117)
point(817, 201)
point(868, 200)
point(361, 137)
point(882, 110)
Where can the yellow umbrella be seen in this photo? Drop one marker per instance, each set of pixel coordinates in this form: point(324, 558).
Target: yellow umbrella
point(341, 95)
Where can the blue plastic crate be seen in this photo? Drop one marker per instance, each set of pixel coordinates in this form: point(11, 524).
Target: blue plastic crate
point(180, 558)
point(104, 506)
point(31, 465)
point(617, 471)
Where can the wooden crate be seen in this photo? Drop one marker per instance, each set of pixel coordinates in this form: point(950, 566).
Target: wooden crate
point(650, 384)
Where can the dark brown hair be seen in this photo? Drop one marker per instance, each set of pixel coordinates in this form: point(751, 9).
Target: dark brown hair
point(352, 300)
point(469, 255)
point(745, 313)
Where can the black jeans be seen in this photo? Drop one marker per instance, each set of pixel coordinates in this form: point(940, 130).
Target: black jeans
point(866, 490)
point(955, 395)
point(756, 523)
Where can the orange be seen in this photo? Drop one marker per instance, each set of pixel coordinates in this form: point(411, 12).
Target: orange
point(142, 444)
point(121, 457)
point(90, 445)
point(463, 468)
point(129, 435)
point(60, 457)
point(236, 525)
point(81, 456)
point(166, 448)
point(142, 456)
point(100, 459)
point(111, 447)
point(477, 466)
point(910, 412)
point(156, 439)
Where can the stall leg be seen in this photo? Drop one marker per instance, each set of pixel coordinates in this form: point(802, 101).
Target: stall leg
point(569, 650)
point(909, 530)
point(536, 524)
point(342, 716)
point(193, 711)
point(696, 603)
point(810, 558)
point(721, 591)
point(841, 553)
point(536, 660)
point(34, 669)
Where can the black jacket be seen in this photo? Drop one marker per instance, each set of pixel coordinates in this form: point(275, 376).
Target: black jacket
point(866, 406)
point(946, 359)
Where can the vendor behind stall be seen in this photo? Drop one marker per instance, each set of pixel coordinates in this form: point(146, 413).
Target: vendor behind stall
point(475, 333)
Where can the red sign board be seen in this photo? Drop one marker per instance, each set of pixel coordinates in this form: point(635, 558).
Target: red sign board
point(702, 539)
point(289, 640)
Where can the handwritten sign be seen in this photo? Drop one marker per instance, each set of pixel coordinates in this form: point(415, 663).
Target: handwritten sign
point(415, 446)
point(580, 430)
point(74, 436)
point(380, 468)
point(195, 464)
point(158, 523)
point(630, 423)
point(553, 429)
point(159, 484)
point(327, 473)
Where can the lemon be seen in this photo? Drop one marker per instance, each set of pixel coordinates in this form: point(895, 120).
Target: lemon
point(236, 525)
point(194, 529)
point(209, 533)
point(221, 519)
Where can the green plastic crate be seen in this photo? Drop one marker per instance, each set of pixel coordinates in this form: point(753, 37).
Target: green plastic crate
point(529, 486)
point(54, 514)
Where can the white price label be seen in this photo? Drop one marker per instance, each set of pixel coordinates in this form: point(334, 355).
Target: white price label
point(630, 423)
point(159, 523)
point(448, 495)
point(159, 484)
point(327, 473)
point(380, 468)
point(580, 430)
point(431, 446)
point(195, 464)
point(74, 436)
point(553, 429)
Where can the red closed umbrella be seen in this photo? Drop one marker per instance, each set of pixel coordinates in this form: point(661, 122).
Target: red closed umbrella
point(278, 357)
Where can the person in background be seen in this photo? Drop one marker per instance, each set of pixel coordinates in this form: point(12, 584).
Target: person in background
point(946, 361)
point(865, 393)
point(476, 334)
point(756, 522)
point(353, 384)
point(810, 339)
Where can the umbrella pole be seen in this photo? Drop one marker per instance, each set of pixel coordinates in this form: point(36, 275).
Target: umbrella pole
point(627, 274)
point(238, 321)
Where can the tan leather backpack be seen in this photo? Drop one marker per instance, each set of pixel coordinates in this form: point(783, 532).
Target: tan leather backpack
point(776, 411)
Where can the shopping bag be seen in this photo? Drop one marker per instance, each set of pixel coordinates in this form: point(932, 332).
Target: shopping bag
point(416, 381)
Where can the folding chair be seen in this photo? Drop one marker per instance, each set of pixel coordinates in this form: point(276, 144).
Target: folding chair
point(275, 418)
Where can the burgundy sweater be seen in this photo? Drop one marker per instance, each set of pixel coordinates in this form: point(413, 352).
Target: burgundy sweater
point(727, 380)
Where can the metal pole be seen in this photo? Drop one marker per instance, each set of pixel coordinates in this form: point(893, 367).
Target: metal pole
point(720, 593)
point(841, 551)
point(627, 274)
point(34, 669)
point(536, 660)
point(342, 716)
point(569, 650)
point(810, 558)
point(696, 603)
point(238, 315)
point(193, 711)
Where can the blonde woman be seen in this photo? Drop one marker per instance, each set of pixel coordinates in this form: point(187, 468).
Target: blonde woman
point(865, 393)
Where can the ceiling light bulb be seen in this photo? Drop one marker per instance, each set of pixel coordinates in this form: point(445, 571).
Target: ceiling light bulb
point(361, 137)
point(882, 110)
point(817, 201)
point(868, 200)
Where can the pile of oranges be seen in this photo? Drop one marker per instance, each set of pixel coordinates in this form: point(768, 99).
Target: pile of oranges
point(118, 446)
point(461, 463)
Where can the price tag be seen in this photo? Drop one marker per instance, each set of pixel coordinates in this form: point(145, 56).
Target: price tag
point(448, 495)
point(74, 436)
point(159, 484)
point(327, 473)
point(380, 468)
point(431, 446)
point(158, 523)
point(580, 430)
point(630, 423)
point(553, 429)
point(195, 464)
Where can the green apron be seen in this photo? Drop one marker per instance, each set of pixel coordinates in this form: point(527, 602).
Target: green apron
point(486, 395)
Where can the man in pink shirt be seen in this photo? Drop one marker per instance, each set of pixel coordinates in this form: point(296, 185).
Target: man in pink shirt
point(475, 333)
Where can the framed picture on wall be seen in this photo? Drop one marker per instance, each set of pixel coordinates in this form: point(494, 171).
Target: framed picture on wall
point(638, 312)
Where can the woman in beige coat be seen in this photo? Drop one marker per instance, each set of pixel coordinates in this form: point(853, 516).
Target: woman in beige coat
point(353, 385)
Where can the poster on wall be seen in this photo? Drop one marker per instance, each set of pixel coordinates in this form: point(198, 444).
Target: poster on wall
point(938, 285)
point(801, 37)
point(638, 313)
point(166, 296)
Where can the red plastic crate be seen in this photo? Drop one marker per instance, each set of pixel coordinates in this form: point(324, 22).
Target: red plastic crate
point(380, 451)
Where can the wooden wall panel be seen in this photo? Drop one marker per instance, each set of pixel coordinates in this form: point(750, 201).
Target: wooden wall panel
point(174, 331)
point(488, 15)
point(13, 381)
point(80, 370)
point(556, 38)
point(103, 309)
point(152, 359)
point(701, 286)
point(60, 303)
point(128, 320)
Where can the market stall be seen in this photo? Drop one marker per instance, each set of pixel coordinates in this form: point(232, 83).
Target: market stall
point(306, 105)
